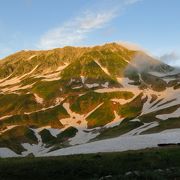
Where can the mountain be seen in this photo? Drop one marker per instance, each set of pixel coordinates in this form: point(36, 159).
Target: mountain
point(50, 100)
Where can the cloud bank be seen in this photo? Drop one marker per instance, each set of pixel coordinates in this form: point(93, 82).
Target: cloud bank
point(76, 30)
point(172, 58)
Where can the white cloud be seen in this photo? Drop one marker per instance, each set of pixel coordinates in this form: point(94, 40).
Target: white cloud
point(77, 29)
point(172, 58)
point(131, 1)
point(131, 46)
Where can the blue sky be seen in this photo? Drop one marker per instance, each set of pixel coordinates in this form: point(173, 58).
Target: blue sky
point(45, 24)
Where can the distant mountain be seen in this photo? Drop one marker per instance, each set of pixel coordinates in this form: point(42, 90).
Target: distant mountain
point(73, 95)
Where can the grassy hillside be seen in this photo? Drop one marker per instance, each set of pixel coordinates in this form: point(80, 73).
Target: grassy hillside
point(41, 118)
point(150, 164)
point(17, 104)
point(91, 99)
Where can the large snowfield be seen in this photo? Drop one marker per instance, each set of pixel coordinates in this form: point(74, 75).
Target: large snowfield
point(121, 143)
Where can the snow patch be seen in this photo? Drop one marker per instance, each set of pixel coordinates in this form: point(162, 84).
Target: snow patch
point(59, 100)
point(125, 82)
point(122, 143)
point(92, 85)
point(8, 128)
point(36, 149)
point(6, 152)
point(77, 87)
point(83, 79)
point(103, 68)
point(60, 68)
point(117, 120)
point(79, 122)
point(4, 117)
point(175, 114)
point(135, 120)
point(141, 129)
point(158, 74)
point(32, 57)
point(105, 85)
point(54, 132)
point(82, 137)
point(38, 99)
point(10, 82)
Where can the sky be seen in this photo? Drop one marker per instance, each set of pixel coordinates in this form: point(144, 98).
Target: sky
point(45, 24)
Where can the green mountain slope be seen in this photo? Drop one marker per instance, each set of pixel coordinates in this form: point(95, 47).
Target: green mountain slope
point(73, 95)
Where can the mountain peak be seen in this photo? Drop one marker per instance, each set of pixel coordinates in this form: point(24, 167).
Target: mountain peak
point(110, 55)
point(72, 95)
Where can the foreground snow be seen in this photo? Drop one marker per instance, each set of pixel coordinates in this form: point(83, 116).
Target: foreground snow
point(5, 152)
point(122, 143)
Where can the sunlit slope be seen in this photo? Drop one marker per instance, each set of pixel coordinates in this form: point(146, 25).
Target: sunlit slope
point(74, 95)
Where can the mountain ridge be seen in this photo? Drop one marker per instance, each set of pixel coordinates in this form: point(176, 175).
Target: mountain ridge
point(73, 95)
